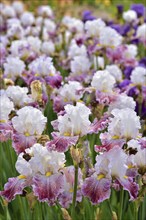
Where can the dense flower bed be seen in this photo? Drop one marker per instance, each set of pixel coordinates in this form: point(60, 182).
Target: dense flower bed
point(91, 73)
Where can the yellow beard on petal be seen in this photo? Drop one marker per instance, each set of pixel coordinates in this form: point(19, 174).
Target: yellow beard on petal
point(71, 190)
point(27, 134)
point(21, 177)
point(48, 174)
point(2, 121)
point(100, 176)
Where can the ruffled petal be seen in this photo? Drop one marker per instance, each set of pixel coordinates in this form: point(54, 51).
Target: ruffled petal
point(142, 142)
point(96, 190)
point(132, 172)
point(48, 188)
point(104, 98)
point(61, 143)
point(54, 81)
point(6, 131)
point(13, 187)
point(65, 198)
point(58, 104)
point(20, 142)
point(109, 144)
point(131, 186)
point(99, 125)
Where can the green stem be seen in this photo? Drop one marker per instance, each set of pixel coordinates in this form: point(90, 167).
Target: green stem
point(143, 208)
point(75, 190)
point(140, 106)
point(136, 211)
point(121, 204)
point(110, 208)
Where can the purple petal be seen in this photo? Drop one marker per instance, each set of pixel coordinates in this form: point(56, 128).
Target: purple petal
point(61, 143)
point(125, 83)
point(13, 187)
point(115, 55)
point(142, 62)
point(6, 131)
point(65, 198)
point(127, 71)
point(120, 8)
point(109, 144)
point(58, 104)
point(87, 15)
point(54, 81)
point(116, 185)
point(55, 124)
point(99, 125)
point(139, 9)
point(105, 98)
point(46, 188)
point(131, 186)
point(96, 190)
point(142, 142)
point(20, 142)
point(132, 172)
point(69, 175)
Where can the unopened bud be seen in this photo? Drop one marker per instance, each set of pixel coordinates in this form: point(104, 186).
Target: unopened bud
point(66, 215)
point(43, 139)
point(144, 179)
point(114, 216)
point(31, 200)
point(36, 90)
point(76, 154)
point(97, 214)
point(8, 82)
point(5, 202)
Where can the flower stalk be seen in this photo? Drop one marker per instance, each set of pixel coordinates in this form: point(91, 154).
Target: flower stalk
point(121, 204)
point(75, 189)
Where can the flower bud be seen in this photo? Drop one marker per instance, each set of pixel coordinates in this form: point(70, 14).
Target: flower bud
point(76, 154)
point(66, 215)
point(8, 82)
point(144, 179)
point(43, 139)
point(31, 200)
point(114, 216)
point(36, 90)
point(97, 214)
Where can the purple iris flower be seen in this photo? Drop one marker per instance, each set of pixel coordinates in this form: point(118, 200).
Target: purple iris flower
point(134, 41)
point(139, 9)
point(133, 92)
point(142, 62)
point(124, 83)
point(120, 9)
point(125, 29)
point(117, 27)
point(109, 23)
point(87, 15)
point(127, 71)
